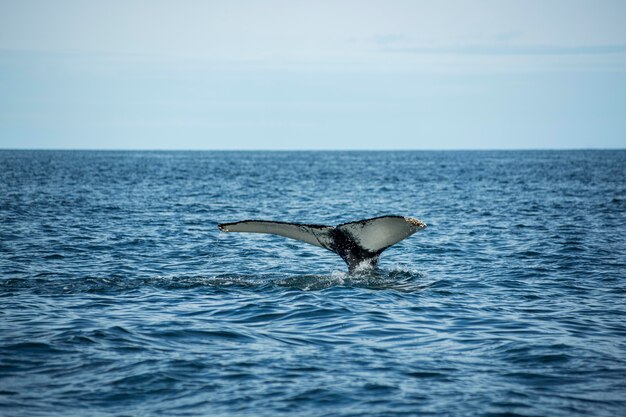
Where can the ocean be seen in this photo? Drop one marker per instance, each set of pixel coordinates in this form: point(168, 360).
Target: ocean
point(119, 296)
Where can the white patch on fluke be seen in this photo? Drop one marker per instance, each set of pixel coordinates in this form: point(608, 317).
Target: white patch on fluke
point(382, 232)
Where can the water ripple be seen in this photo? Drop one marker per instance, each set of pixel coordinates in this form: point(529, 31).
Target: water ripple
point(119, 296)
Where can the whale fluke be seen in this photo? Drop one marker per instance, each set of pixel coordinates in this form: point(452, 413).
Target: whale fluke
point(358, 243)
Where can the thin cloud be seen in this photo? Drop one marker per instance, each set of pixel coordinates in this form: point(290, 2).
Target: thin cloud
point(513, 50)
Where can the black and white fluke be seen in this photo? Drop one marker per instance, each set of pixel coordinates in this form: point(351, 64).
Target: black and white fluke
point(358, 243)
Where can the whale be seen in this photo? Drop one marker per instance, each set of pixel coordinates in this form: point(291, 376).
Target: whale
point(358, 243)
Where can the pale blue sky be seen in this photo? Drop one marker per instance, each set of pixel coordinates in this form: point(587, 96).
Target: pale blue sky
point(312, 75)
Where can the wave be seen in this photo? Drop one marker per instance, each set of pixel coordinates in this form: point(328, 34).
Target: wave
point(398, 279)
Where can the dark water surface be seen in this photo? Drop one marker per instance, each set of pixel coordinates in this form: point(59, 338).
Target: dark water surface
point(120, 297)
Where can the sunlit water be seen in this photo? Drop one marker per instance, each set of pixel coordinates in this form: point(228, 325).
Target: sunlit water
point(119, 296)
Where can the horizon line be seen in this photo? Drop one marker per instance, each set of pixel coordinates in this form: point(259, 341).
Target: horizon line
point(313, 150)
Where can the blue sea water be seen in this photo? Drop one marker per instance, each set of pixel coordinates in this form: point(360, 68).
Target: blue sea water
point(119, 296)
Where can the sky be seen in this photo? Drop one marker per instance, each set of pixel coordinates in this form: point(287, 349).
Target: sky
point(239, 74)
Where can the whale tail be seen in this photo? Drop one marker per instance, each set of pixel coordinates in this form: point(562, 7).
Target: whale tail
point(358, 243)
